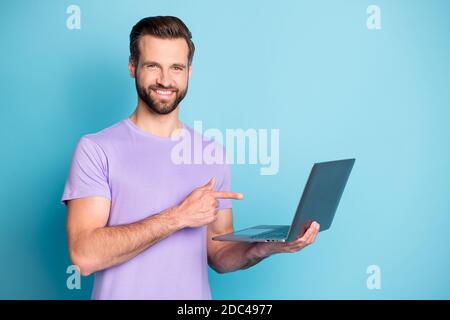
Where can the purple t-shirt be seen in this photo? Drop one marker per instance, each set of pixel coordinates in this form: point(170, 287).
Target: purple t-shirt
point(136, 171)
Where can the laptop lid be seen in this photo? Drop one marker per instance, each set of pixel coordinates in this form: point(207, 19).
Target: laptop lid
point(321, 196)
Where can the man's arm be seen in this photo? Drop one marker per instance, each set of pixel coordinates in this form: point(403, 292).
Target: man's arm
point(93, 246)
point(225, 256)
point(230, 256)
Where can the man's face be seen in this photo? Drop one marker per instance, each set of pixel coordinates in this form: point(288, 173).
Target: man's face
point(162, 73)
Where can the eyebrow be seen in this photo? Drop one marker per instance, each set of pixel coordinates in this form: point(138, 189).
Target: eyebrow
point(180, 65)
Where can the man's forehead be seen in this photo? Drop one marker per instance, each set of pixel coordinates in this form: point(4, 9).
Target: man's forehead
point(163, 50)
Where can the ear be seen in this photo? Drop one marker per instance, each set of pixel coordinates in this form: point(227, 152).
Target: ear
point(131, 67)
point(190, 71)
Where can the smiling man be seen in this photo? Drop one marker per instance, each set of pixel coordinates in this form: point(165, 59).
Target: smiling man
point(138, 221)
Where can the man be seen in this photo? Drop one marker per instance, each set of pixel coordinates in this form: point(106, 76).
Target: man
point(140, 222)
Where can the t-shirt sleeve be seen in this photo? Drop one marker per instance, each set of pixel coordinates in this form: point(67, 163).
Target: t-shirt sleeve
point(88, 173)
point(225, 186)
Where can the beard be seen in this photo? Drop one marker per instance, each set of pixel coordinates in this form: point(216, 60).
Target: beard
point(156, 105)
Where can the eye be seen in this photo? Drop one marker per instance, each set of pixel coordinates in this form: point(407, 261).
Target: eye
point(178, 68)
point(151, 66)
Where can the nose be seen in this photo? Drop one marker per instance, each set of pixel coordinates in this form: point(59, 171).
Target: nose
point(164, 79)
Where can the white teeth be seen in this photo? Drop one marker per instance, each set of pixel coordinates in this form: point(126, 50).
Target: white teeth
point(163, 92)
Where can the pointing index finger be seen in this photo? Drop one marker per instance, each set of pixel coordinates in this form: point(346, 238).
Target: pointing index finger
point(227, 195)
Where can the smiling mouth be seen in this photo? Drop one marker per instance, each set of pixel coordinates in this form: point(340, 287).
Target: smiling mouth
point(163, 93)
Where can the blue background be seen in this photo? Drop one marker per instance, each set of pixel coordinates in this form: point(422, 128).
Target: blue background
point(310, 68)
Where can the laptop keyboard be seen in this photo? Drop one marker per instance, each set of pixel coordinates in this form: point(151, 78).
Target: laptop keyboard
point(276, 233)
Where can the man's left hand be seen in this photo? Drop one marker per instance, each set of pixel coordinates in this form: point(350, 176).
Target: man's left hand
point(307, 236)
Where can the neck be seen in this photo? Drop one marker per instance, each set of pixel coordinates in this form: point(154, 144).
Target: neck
point(162, 125)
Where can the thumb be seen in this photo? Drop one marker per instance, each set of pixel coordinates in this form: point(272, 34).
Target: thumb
point(210, 184)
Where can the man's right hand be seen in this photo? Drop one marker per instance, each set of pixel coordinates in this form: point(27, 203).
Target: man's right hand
point(201, 205)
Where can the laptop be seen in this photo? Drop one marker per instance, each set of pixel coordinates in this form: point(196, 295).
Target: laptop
point(319, 201)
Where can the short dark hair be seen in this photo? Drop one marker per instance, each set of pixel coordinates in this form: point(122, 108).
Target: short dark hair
point(164, 27)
